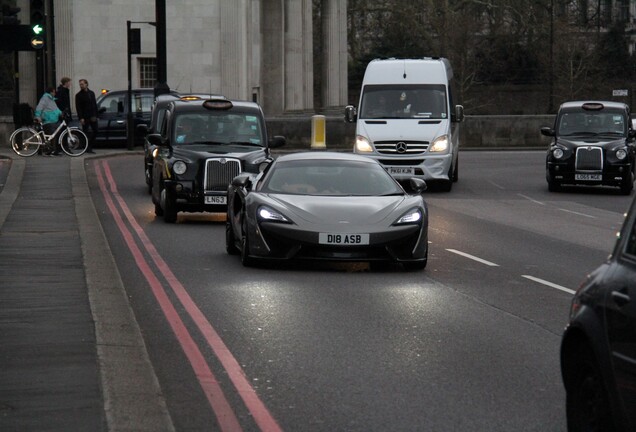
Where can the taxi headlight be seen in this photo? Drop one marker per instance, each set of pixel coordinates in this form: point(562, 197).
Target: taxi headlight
point(621, 154)
point(179, 167)
point(155, 152)
point(412, 216)
point(557, 153)
point(362, 145)
point(439, 145)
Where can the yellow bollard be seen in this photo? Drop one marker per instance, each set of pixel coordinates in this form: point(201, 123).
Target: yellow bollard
point(318, 126)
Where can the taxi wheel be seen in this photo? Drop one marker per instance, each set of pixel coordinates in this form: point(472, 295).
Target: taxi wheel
point(627, 186)
point(169, 207)
point(245, 258)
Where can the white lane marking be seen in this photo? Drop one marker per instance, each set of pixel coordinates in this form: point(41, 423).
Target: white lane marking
point(577, 213)
point(530, 199)
point(472, 257)
point(495, 184)
point(550, 284)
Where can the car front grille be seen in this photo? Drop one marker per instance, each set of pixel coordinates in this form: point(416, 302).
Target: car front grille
point(219, 172)
point(401, 147)
point(589, 159)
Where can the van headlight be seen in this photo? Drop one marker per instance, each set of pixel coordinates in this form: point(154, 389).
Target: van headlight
point(439, 145)
point(362, 145)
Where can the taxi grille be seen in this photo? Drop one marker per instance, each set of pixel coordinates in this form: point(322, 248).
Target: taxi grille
point(401, 147)
point(219, 172)
point(589, 159)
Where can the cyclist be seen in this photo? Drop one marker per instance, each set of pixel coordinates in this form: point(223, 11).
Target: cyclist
point(48, 113)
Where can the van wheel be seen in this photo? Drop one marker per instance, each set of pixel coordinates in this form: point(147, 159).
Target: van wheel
point(456, 171)
point(446, 185)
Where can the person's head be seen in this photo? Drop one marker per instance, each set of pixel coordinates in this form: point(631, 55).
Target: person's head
point(83, 83)
point(65, 82)
point(50, 90)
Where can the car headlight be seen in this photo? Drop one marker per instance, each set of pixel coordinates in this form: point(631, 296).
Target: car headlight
point(410, 217)
point(179, 167)
point(155, 152)
point(271, 215)
point(439, 145)
point(557, 153)
point(621, 154)
point(363, 145)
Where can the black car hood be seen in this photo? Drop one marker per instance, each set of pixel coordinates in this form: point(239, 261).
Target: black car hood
point(201, 151)
point(596, 141)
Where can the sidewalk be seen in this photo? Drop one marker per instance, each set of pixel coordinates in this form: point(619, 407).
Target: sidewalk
point(71, 354)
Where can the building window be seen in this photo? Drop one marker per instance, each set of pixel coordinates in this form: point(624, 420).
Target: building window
point(147, 72)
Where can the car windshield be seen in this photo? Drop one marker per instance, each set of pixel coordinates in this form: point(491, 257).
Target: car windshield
point(330, 178)
point(220, 127)
point(583, 122)
point(403, 101)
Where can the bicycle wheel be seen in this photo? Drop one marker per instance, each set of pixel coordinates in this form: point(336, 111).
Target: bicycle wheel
point(73, 142)
point(25, 141)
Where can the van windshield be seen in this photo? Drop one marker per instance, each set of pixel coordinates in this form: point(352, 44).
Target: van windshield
point(427, 101)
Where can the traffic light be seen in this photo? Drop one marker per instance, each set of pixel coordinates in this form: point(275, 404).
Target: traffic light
point(37, 17)
point(10, 15)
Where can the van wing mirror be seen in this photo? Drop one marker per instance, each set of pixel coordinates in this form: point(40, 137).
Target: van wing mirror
point(547, 131)
point(350, 114)
point(458, 115)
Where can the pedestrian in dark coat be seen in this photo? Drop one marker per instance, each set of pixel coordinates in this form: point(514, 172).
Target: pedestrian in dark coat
point(63, 95)
point(86, 106)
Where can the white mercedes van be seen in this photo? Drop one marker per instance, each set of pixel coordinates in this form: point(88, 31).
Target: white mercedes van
point(407, 119)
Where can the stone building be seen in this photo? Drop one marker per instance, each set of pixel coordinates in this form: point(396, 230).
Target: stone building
point(247, 49)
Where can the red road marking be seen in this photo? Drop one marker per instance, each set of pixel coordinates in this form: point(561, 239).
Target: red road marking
point(256, 407)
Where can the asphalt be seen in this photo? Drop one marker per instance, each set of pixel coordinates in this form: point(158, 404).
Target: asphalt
point(71, 353)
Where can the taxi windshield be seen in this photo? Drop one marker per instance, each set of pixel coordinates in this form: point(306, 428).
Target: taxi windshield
point(217, 127)
point(581, 122)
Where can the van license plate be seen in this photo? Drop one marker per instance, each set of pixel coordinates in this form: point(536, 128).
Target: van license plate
point(401, 170)
point(215, 199)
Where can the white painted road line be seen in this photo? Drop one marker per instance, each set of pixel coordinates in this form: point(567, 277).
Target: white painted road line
point(550, 284)
point(577, 213)
point(472, 257)
point(532, 200)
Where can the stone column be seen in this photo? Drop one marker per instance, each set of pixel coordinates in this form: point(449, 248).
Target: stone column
point(235, 52)
point(334, 65)
point(272, 91)
point(298, 56)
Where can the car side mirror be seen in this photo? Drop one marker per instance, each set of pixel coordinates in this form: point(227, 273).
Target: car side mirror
point(350, 114)
point(458, 115)
point(142, 129)
point(277, 141)
point(547, 131)
point(156, 139)
point(417, 185)
point(102, 110)
point(241, 181)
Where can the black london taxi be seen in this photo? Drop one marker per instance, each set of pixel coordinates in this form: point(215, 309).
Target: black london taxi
point(203, 144)
point(593, 144)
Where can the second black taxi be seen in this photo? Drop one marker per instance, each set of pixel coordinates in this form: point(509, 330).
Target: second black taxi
point(202, 145)
point(593, 144)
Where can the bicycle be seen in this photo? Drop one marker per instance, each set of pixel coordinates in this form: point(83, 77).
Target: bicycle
point(27, 140)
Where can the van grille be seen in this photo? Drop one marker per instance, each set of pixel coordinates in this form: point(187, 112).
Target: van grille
point(589, 159)
point(401, 147)
point(219, 172)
